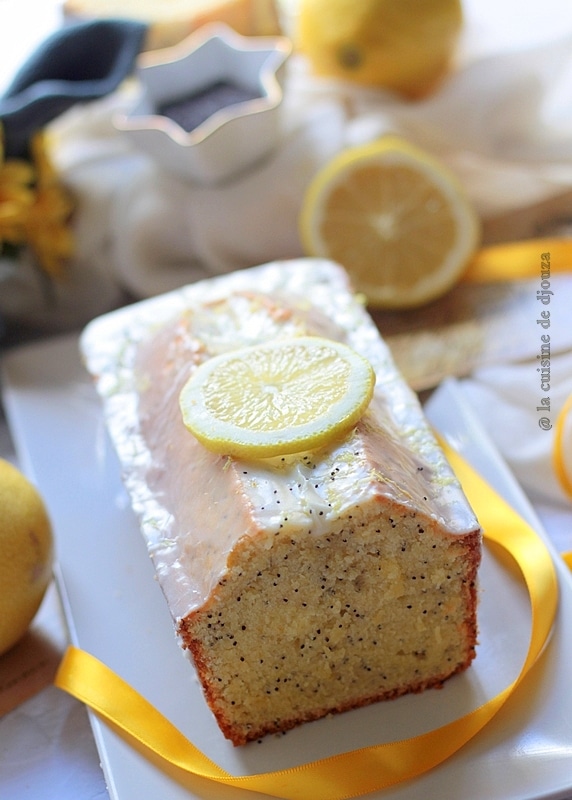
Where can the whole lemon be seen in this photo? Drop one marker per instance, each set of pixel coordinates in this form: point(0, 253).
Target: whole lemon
point(403, 45)
point(26, 554)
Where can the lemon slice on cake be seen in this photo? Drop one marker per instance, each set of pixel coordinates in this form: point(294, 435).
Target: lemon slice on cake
point(395, 218)
point(276, 398)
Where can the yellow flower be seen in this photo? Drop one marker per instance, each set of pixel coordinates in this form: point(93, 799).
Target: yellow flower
point(16, 198)
point(47, 230)
point(47, 224)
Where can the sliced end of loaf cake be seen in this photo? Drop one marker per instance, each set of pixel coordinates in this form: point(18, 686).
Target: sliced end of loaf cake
point(303, 625)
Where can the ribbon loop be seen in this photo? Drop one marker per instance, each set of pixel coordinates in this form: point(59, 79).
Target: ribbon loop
point(357, 772)
point(558, 448)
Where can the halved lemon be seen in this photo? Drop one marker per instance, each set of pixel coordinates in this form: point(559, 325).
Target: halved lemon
point(276, 398)
point(395, 218)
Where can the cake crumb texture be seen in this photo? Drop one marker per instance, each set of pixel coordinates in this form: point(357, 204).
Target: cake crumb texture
point(303, 626)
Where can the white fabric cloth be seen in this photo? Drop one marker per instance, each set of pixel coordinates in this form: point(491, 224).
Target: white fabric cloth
point(508, 402)
point(519, 404)
point(501, 122)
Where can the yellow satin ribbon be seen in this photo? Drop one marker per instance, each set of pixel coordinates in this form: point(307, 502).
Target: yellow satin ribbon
point(519, 260)
point(558, 448)
point(359, 771)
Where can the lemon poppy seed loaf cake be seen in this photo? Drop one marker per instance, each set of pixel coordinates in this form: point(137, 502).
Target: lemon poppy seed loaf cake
point(301, 584)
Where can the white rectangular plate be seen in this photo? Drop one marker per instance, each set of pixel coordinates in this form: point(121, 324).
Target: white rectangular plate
point(116, 611)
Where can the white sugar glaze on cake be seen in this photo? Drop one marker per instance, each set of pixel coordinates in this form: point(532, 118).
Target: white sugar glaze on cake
point(391, 453)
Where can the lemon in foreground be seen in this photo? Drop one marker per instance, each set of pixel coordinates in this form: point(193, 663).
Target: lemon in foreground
point(280, 397)
point(403, 45)
point(395, 218)
point(26, 548)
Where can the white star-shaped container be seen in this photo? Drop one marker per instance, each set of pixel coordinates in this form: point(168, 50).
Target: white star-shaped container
point(209, 106)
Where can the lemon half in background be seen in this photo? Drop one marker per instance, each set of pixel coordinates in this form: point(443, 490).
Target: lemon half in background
point(403, 45)
point(395, 218)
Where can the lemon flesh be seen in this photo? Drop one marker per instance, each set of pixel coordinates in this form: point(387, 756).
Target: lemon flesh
point(26, 546)
point(403, 45)
point(395, 218)
point(277, 398)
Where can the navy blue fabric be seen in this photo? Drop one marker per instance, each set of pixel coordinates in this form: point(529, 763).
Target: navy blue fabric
point(75, 64)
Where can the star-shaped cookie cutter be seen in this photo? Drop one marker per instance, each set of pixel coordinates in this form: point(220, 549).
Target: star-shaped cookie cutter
point(233, 137)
